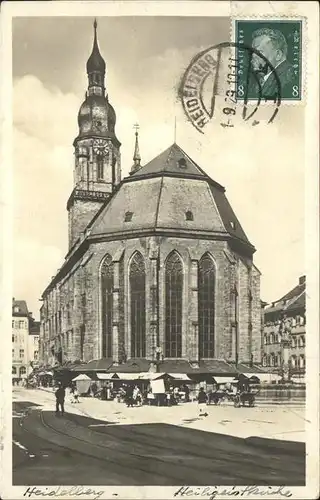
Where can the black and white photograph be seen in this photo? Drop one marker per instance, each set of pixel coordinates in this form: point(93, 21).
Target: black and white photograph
point(160, 253)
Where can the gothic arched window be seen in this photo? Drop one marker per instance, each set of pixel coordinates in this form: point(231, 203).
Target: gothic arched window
point(206, 284)
point(173, 311)
point(107, 306)
point(293, 360)
point(137, 277)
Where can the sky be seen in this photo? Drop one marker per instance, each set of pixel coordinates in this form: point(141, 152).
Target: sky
point(262, 167)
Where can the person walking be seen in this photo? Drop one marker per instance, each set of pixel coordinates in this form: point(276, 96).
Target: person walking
point(202, 401)
point(76, 395)
point(60, 396)
point(129, 396)
point(187, 393)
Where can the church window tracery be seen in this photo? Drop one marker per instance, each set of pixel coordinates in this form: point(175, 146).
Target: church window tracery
point(137, 278)
point(107, 306)
point(173, 306)
point(206, 294)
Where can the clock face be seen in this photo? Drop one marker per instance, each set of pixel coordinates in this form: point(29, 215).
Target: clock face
point(100, 147)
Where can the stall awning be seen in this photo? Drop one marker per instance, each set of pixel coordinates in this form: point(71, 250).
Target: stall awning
point(264, 377)
point(40, 374)
point(150, 376)
point(128, 376)
point(179, 376)
point(106, 376)
point(82, 376)
point(224, 380)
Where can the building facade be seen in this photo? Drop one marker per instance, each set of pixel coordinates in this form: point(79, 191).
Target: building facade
point(291, 311)
point(25, 340)
point(158, 265)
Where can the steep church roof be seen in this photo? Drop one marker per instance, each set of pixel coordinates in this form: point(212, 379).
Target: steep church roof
point(173, 160)
point(170, 193)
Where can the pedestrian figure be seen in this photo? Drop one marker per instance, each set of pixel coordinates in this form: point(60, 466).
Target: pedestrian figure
point(76, 395)
point(129, 396)
point(60, 395)
point(176, 396)
point(137, 396)
point(202, 401)
point(187, 393)
point(94, 389)
point(71, 391)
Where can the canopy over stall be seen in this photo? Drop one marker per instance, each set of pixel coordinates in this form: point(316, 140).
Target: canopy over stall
point(128, 376)
point(150, 376)
point(264, 377)
point(107, 376)
point(83, 383)
point(224, 380)
point(180, 376)
point(82, 376)
point(43, 373)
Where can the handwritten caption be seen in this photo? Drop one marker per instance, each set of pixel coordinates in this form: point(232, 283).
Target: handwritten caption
point(211, 492)
point(73, 491)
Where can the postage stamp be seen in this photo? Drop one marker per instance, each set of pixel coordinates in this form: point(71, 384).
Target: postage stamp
point(280, 70)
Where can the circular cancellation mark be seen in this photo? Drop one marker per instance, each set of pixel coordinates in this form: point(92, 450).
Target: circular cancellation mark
point(203, 98)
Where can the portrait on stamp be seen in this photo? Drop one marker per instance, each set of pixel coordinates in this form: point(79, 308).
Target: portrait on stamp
point(273, 68)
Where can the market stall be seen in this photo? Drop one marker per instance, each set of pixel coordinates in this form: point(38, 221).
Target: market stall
point(83, 383)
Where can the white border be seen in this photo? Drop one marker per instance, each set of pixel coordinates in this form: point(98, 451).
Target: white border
point(188, 8)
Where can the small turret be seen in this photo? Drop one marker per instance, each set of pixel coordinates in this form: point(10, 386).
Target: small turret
point(136, 156)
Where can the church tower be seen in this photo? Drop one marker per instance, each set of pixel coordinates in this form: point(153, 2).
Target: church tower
point(97, 150)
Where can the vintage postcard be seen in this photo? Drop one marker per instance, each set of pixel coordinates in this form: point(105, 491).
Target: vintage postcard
point(160, 250)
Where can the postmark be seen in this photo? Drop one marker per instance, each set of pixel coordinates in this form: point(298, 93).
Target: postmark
point(280, 41)
point(208, 88)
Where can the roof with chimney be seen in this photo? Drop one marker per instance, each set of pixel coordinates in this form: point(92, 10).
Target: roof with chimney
point(19, 308)
point(293, 301)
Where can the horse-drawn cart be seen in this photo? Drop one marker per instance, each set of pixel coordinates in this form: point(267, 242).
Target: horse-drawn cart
point(244, 398)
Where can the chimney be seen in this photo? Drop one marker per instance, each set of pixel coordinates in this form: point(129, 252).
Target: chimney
point(302, 280)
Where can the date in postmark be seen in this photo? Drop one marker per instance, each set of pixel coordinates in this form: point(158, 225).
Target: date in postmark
point(280, 41)
point(208, 89)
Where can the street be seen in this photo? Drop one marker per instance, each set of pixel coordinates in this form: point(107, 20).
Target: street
point(125, 450)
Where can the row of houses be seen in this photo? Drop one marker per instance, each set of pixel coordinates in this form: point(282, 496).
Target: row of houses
point(25, 341)
point(291, 308)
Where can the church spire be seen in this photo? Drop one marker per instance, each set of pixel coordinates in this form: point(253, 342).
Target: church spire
point(96, 66)
point(136, 155)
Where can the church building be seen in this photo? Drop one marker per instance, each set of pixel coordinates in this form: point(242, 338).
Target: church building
point(158, 269)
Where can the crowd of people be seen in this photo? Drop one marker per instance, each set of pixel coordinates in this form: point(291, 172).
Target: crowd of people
point(133, 395)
